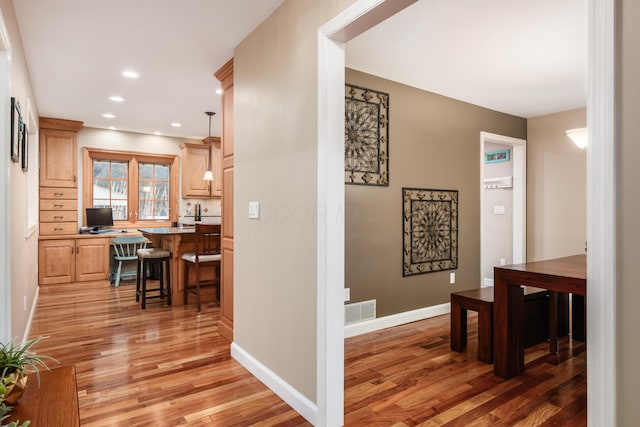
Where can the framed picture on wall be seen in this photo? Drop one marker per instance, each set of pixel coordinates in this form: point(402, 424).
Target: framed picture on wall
point(24, 142)
point(16, 119)
point(497, 156)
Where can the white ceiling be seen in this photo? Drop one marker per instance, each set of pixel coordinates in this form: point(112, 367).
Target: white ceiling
point(522, 57)
point(76, 50)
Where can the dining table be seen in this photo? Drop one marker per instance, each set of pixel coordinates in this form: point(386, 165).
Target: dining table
point(567, 275)
point(177, 240)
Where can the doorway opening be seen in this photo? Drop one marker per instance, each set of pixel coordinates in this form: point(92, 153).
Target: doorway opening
point(503, 196)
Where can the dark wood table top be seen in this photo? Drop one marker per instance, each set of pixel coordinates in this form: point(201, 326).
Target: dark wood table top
point(574, 266)
point(54, 403)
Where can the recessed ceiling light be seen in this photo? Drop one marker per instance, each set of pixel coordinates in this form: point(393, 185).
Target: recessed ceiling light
point(157, 133)
point(219, 91)
point(108, 116)
point(116, 98)
point(176, 125)
point(130, 74)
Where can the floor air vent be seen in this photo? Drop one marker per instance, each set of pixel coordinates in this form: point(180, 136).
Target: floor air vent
point(359, 311)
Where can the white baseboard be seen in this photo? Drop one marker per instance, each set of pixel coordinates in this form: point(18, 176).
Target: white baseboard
point(32, 313)
point(487, 282)
point(384, 322)
point(289, 394)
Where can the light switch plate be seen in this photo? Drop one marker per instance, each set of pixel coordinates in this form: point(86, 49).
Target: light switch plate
point(254, 210)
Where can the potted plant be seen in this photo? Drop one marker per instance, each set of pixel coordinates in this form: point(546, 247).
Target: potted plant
point(5, 409)
point(16, 361)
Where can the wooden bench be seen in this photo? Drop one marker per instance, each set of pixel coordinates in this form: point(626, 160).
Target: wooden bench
point(481, 301)
point(54, 403)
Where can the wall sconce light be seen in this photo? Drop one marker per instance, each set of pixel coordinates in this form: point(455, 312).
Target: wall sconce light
point(579, 136)
point(208, 174)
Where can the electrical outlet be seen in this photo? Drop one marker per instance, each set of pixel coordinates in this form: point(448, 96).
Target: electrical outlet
point(452, 278)
point(503, 261)
point(347, 294)
point(25, 303)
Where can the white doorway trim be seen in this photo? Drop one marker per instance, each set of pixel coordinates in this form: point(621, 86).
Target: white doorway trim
point(602, 357)
point(601, 211)
point(519, 149)
point(361, 16)
point(5, 265)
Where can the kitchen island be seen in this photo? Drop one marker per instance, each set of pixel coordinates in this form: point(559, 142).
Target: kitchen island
point(177, 240)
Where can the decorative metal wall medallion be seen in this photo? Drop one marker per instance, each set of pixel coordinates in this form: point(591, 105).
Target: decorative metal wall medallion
point(430, 230)
point(366, 136)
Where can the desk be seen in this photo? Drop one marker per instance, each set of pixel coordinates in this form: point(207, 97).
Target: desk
point(177, 240)
point(566, 275)
point(54, 404)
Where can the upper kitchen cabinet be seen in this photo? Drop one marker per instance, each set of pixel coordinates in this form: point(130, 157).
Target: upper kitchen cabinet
point(58, 157)
point(195, 158)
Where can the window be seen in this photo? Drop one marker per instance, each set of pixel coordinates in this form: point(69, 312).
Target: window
point(109, 178)
point(154, 191)
point(110, 187)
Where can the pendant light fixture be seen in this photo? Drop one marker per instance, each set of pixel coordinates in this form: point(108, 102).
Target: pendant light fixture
point(208, 174)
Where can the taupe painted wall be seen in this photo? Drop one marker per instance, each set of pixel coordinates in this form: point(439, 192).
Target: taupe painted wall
point(23, 243)
point(556, 187)
point(434, 143)
point(628, 208)
point(275, 130)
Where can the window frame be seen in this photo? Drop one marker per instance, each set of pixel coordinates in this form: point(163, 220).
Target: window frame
point(133, 158)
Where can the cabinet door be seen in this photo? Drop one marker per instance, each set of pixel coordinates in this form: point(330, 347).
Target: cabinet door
point(92, 259)
point(194, 163)
point(58, 164)
point(56, 261)
point(216, 160)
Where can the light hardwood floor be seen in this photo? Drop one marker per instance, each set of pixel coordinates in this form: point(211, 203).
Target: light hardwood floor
point(169, 367)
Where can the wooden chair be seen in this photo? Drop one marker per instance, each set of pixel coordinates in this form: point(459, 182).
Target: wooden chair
point(207, 252)
point(126, 249)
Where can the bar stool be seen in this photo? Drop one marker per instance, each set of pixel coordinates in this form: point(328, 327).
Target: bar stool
point(147, 257)
point(207, 252)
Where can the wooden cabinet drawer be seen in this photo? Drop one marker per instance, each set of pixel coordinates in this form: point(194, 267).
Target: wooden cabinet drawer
point(53, 228)
point(58, 193)
point(58, 216)
point(58, 205)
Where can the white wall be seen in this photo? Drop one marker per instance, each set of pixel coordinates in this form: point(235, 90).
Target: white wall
point(22, 240)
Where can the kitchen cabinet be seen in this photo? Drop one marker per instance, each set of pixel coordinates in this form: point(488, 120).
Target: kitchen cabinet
point(73, 260)
point(58, 210)
point(58, 157)
point(195, 159)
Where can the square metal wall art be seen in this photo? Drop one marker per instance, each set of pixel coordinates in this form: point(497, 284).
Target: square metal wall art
point(366, 136)
point(430, 230)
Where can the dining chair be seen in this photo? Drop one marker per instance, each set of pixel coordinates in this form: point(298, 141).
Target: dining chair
point(126, 249)
point(207, 253)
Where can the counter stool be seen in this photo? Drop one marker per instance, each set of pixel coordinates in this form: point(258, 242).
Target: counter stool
point(207, 252)
point(147, 257)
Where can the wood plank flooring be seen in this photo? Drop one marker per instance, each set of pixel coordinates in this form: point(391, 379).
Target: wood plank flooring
point(408, 376)
point(169, 367)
